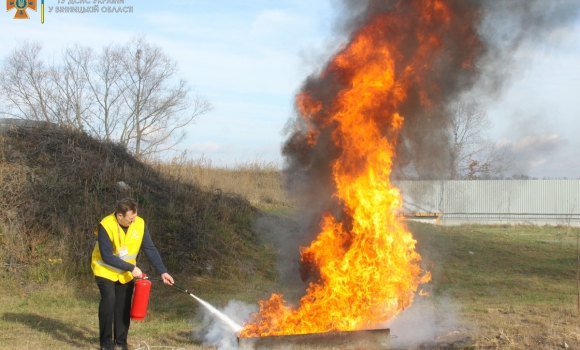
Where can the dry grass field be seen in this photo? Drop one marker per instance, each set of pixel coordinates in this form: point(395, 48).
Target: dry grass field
point(506, 287)
point(258, 181)
point(493, 287)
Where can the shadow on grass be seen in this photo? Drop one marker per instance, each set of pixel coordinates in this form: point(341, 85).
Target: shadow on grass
point(60, 331)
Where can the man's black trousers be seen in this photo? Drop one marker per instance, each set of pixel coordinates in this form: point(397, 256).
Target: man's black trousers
point(114, 312)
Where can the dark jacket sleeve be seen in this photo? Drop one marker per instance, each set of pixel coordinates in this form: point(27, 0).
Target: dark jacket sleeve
point(106, 249)
point(151, 252)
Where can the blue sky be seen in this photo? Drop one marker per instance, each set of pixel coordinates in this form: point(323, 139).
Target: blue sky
point(250, 57)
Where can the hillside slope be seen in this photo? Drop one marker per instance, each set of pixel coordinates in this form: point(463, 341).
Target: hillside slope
point(55, 186)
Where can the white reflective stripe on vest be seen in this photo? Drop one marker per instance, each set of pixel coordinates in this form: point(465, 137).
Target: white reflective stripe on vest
point(102, 263)
point(125, 258)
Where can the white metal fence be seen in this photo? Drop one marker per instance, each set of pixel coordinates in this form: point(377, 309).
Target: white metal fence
point(553, 202)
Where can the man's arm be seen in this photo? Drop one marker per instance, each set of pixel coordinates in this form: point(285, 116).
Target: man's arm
point(151, 252)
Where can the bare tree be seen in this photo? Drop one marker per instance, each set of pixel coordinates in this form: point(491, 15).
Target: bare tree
point(33, 89)
point(73, 95)
point(129, 93)
point(102, 73)
point(157, 109)
point(471, 154)
point(26, 87)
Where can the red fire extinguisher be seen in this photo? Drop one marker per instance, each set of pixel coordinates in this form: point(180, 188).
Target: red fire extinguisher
point(140, 298)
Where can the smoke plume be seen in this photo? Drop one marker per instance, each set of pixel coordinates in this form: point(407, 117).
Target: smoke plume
point(214, 332)
point(481, 49)
point(533, 150)
point(475, 48)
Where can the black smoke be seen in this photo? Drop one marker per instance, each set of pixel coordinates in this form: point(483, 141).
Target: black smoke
point(480, 53)
point(490, 34)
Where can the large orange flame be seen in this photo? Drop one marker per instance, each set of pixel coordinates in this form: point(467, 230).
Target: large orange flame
point(369, 270)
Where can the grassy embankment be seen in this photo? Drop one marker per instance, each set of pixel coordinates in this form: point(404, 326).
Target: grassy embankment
point(56, 185)
point(508, 287)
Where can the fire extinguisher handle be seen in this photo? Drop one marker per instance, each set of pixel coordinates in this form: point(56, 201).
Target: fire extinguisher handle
point(153, 278)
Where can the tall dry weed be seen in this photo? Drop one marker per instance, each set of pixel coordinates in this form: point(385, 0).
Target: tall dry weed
point(258, 181)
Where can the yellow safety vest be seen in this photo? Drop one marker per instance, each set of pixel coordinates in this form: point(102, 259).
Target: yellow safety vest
point(131, 240)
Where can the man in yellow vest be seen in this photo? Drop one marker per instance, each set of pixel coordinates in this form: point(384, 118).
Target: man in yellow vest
point(120, 237)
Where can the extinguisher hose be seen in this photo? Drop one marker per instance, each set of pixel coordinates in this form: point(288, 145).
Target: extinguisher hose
point(173, 285)
point(235, 327)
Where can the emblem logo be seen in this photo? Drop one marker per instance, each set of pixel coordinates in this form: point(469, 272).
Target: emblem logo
point(21, 6)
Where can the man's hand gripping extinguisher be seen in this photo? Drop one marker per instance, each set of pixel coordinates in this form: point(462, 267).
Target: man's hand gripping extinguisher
point(140, 298)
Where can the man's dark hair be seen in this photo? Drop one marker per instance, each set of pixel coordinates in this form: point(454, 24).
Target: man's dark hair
point(125, 205)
